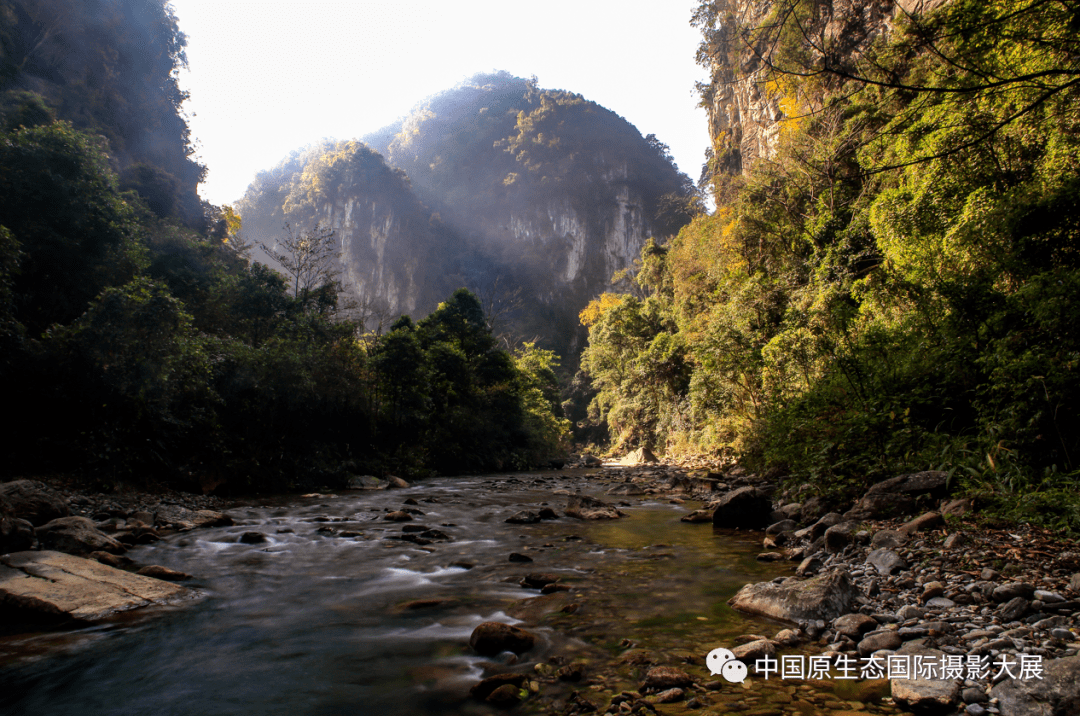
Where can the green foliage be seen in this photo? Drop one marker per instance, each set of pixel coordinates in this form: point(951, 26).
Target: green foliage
point(893, 289)
point(58, 197)
point(110, 67)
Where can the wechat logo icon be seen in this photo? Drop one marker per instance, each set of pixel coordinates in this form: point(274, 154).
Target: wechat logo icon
point(723, 662)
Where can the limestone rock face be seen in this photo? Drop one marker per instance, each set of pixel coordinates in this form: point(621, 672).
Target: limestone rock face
point(532, 197)
point(745, 120)
point(48, 587)
point(824, 597)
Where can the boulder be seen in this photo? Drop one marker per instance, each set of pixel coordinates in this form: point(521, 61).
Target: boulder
point(885, 561)
point(928, 482)
point(809, 566)
point(927, 521)
point(252, 537)
point(750, 652)
point(591, 461)
point(780, 527)
point(504, 697)
point(853, 626)
point(1056, 694)
point(813, 508)
point(76, 535)
point(524, 517)
point(1013, 609)
point(744, 508)
point(38, 588)
point(640, 456)
point(626, 489)
point(661, 678)
point(365, 482)
point(398, 516)
point(929, 696)
point(839, 536)
point(537, 580)
point(1012, 590)
point(880, 505)
point(584, 507)
point(28, 500)
point(491, 638)
point(888, 539)
point(878, 640)
point(484, 688)
point(394, 481)
point(926, 696)
point(819, 528)
point(824, 597)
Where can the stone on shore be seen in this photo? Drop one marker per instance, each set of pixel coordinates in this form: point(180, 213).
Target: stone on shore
point(1056, 694)
point(491, 638)
point(885, 561)
point(744, 508)
point(638, 457)
point(584, 507)
point(824, 597)
point(28, 500)
point(929, 482)
point(76, 535)
point(49, 587)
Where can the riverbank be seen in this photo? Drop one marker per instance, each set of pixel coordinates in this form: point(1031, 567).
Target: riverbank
point(618, 636)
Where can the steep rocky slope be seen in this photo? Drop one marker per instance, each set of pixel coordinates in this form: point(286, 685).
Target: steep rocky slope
point(532, 198)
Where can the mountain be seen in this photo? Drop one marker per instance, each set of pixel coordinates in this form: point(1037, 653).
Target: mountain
point(531, 198)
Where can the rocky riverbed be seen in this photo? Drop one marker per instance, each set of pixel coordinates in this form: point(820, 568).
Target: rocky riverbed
point(902, 578)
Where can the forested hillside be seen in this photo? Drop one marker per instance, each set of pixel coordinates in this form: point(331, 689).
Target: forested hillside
point(139, 342)
point(891, 278)
point(109, 67)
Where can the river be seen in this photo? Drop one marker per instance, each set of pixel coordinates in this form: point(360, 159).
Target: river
point(312, 622)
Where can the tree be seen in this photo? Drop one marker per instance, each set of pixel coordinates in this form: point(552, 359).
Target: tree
point(309, 257)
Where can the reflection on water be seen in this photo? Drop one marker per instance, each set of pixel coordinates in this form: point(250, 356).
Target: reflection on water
point(309, 622)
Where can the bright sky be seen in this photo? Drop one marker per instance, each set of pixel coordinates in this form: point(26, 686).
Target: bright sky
point(271, 76)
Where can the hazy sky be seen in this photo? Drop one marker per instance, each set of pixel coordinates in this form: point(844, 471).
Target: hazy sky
point(271, 76)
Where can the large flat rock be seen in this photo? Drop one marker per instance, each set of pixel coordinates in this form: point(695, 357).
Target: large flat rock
point(42, 587)
point(823, 597)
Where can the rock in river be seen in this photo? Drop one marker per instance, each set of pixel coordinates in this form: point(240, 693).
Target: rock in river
point(825, 597)
point(491, 638)
point(48, 587)
point(589, 508)
point(745, 508)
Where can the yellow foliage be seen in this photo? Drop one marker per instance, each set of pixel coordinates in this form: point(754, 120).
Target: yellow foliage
point(598, 307)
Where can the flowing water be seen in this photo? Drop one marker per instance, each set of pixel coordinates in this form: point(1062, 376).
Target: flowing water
point(315, 623)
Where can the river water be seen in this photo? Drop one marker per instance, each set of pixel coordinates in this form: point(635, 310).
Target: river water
point(311, 622)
